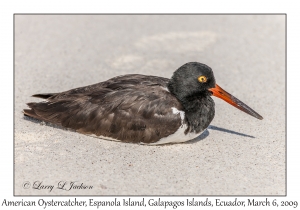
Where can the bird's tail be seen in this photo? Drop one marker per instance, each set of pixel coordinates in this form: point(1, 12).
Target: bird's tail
point(43, 95)
point(31, 112)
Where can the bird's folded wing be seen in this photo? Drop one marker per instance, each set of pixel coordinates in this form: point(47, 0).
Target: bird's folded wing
point(131, 114)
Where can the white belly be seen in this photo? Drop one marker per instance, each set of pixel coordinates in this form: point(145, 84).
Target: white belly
point(176, 137)
point(179, 136)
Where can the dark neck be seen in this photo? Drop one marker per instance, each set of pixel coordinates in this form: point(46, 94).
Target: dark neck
point(199, 111)
point(199, 107)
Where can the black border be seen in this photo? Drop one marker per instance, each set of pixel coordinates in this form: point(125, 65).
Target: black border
point(285, 14)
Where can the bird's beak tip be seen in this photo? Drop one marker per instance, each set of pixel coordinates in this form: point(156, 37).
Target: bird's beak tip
point(220, 93)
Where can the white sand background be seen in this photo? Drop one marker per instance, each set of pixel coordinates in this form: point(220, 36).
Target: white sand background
point(237, 155)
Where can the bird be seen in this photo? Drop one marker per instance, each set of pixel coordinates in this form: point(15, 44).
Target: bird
point(136, 108)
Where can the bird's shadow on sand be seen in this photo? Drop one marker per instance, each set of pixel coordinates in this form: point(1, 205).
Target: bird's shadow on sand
point(212, 127)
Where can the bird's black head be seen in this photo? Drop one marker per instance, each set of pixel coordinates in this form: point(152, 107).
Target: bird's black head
point(192, 79)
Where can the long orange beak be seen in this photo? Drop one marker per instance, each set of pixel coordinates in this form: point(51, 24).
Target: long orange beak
point(220, 93)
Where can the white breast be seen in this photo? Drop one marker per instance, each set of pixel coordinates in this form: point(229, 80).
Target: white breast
point(179, 135)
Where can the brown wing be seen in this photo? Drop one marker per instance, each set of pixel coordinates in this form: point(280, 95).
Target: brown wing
point(131, 111)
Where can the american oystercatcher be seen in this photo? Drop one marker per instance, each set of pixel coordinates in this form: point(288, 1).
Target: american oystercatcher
point(138, 108)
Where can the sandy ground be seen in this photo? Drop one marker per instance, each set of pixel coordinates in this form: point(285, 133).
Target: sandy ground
point(237, 155)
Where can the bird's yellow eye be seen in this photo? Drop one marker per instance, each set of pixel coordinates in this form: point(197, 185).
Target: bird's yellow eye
point(202, 79)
